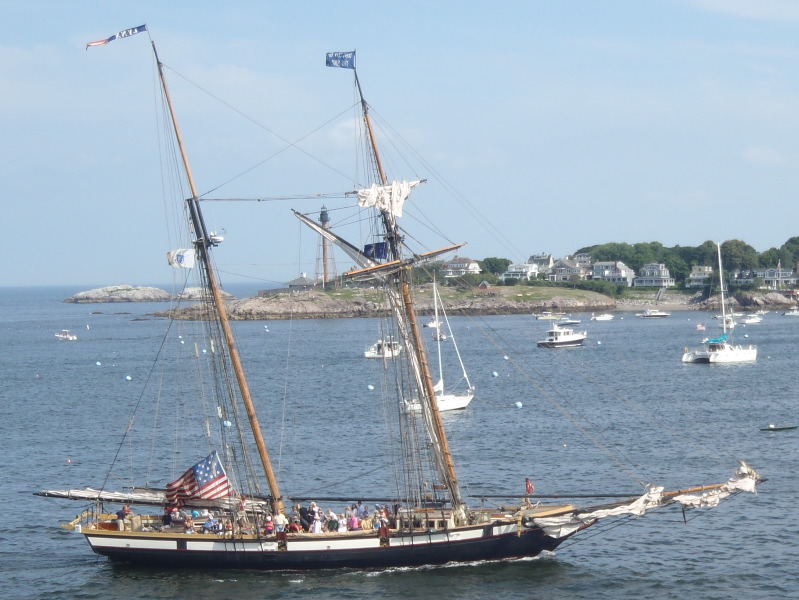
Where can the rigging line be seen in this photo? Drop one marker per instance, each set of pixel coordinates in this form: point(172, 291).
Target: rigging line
point(455, 193)
point(284, 409)
point(316, 196)
point(265, 128)
point(650, 416)
point(601, 529)
point(559, 406)
point(332, 486)
point(242, 275)
point(139, 401)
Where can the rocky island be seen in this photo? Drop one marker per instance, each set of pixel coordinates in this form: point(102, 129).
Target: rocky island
point(120, 293)
point(367, 302)
point(360, 302)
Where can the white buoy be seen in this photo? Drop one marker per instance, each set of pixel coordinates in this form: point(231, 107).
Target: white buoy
point(598, 343)
point(518, 405)
point(227, 423)
point(495, 374)
point(128, 377)
point(506, 357)
point(370, 387)
point(98, 363)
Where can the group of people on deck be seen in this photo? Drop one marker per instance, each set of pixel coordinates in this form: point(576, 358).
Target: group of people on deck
point(176, 519)
point(356, 517)
point(303, 519)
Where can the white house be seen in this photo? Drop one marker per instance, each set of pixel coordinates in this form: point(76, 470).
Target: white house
point(519, 271)
point(614, 271)
point(699, 276)
point(544, 262)
point(460, 266)
point(566, 270)
point(654, 275)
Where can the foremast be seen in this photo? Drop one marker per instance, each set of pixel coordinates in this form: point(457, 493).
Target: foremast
point(202, 245)
point(405, 311)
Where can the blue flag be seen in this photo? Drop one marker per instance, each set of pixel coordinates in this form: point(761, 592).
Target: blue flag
point(345, 60)
point(121, 34)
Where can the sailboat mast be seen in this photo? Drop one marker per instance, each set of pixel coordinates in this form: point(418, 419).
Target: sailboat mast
point(721, 287)
point(438, 334)
point(429, 396)
point(202, 244)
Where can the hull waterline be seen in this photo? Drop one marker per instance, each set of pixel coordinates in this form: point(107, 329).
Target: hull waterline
point(324, 551)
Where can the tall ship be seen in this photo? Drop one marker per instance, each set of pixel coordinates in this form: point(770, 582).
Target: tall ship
point(228, 509)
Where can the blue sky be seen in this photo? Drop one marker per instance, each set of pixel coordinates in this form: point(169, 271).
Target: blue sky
point(558, 124)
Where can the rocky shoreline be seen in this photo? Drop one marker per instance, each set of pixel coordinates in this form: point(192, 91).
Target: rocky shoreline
point(363, 303)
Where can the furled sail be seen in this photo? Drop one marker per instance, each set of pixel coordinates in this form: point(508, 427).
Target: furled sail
point(389, 198)
point(744, 480)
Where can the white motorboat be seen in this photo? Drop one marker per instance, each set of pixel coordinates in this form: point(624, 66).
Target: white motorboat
point(567, 322)
point(602, 317)
point(66, 335)
point(752, 319)
point(563, 337)
point(549, 316)
point(388, 348)
point(653, 313)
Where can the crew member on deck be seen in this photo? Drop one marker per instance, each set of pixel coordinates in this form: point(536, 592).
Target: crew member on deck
point(122, 514)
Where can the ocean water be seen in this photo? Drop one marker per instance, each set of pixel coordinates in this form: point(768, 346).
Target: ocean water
point(620, 412)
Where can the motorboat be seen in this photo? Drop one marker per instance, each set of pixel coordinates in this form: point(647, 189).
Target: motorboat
point(567, 322)
point(563, 337)
point(653, 313)
point(602, 317)
point(388, 348)
point(752, 319)
point(66, 335)
point(549, 316)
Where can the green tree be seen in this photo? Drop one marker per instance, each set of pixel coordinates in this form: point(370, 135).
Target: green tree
point(494, 265)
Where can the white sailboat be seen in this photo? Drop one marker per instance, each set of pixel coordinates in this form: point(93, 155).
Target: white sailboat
point(444, 400)
point(719, 350)
point(430, 522)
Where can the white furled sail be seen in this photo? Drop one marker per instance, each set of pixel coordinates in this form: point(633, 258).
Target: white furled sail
point(389, 198)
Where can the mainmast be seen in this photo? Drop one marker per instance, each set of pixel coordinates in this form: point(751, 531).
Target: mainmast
point(202, 244)
point(441, 445)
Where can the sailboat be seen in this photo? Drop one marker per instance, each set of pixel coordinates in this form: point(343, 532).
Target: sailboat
point(427, 520)
point(718, 350)
point(445, 401)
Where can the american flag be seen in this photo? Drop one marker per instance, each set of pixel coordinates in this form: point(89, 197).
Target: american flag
point(207, 479)
point(121, 34)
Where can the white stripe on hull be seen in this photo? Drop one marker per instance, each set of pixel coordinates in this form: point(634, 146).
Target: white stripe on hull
point(323, 542)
